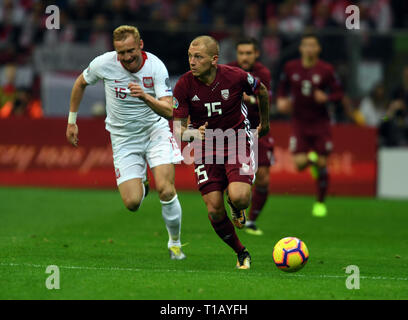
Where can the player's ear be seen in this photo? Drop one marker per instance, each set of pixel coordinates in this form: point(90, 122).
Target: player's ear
point(214, 60)
point(141, 44)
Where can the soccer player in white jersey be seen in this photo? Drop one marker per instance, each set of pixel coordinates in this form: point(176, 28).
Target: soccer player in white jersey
point(138, 102)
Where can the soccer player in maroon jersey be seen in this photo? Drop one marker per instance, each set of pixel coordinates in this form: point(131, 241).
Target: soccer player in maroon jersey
point(247, 55)
point(306, 87)
point(211, 95)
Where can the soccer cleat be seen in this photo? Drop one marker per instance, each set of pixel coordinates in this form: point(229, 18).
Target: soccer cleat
point(244, 260)
point(238, 216)
point(319, 210)
point(314, 170)
point(176, 253)
point(251, 228)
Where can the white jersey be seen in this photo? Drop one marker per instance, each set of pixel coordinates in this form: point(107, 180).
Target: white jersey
point(127, 114)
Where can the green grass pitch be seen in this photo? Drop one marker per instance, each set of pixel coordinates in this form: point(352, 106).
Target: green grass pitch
point(105, 252)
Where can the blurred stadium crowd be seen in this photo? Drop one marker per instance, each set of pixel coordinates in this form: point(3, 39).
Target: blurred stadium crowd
point(168, 25)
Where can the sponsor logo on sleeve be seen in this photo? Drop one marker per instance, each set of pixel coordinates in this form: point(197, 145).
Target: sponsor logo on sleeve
point(251, 79)
point(175, 103)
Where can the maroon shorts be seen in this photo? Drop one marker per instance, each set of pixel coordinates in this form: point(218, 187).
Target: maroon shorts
point(217, 177)
point(265, 151)
point(303, 143)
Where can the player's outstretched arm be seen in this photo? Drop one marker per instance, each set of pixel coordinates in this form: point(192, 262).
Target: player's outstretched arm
point(76, 97)
point(263, 98)
point(162, 106)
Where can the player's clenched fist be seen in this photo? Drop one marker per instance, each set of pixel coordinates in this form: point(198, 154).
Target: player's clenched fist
point(72, 134)
point(201, 131)
point(136, 91)
point(262, 130)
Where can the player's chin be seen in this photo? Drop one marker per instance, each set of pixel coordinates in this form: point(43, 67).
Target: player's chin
point(245, 66)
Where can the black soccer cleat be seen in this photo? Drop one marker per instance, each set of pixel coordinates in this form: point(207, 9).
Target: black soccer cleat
point(244, 260)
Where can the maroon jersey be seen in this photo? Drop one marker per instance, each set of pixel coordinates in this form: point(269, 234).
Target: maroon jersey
point(300, 83)
point(264, 75)
point(220, 104)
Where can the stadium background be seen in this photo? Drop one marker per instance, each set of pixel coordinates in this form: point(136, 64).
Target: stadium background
point(38, 67)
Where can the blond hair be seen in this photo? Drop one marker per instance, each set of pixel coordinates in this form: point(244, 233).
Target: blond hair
point(212, 46)
point(122, 32)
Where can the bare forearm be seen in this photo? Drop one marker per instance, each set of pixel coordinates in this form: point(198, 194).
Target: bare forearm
point(263, 98)
point(77, 94)
point(162, 107)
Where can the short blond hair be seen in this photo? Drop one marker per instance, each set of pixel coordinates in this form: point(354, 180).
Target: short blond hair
point(212, 46)
point(122, 32)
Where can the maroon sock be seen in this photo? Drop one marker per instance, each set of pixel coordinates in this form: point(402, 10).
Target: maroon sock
point(322, 184)
point(259, 196)
point(226, 231)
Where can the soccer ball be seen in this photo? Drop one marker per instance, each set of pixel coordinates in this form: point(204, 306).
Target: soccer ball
point(290, 254)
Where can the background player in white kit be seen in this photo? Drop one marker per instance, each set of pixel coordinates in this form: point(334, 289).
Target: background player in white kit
point(138, 98)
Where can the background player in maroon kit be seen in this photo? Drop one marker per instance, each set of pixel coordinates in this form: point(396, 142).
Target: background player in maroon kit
point(311, 83)
point(247, 55)
point(211, 95)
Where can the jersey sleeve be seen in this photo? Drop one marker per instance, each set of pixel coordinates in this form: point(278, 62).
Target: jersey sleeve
point(180, 100)
point(93, 73)
point(251, 83)
point(161, 81)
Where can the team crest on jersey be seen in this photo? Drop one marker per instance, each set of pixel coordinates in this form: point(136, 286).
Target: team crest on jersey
point(316, 78)
point(148, 82)
point(225, 94)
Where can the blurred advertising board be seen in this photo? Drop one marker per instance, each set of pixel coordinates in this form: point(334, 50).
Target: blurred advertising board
point(35, 153)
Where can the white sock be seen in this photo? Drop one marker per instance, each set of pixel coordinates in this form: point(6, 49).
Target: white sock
point(171, 212)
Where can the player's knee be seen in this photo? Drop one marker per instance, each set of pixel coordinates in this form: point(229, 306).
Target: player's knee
point(216, 211)
point(240, 200)
point(132, 204)
point(262, 180)
point(166, 192)
point(301, 163)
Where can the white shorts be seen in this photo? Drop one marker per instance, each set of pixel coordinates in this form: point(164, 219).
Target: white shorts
point(132, 153)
